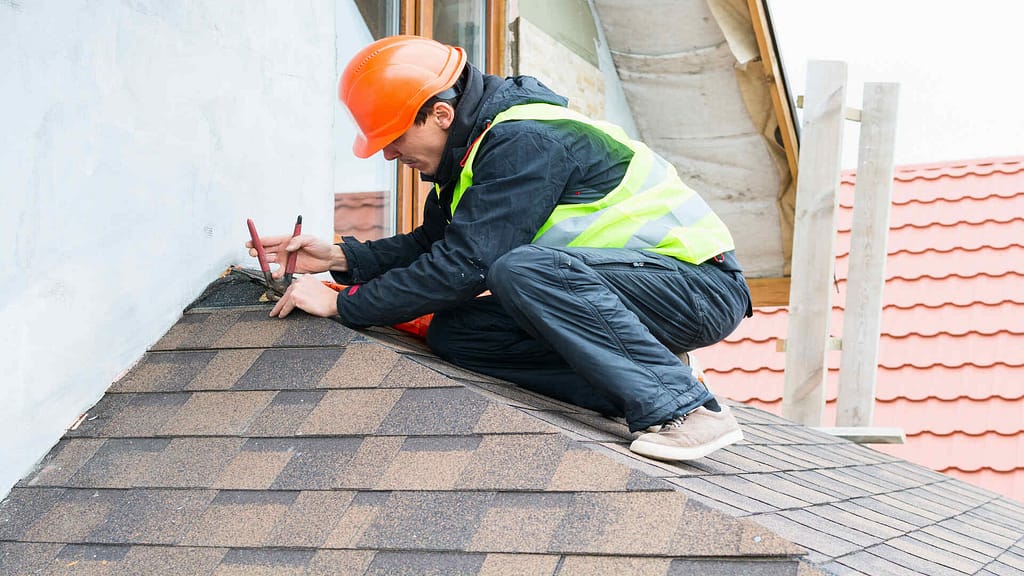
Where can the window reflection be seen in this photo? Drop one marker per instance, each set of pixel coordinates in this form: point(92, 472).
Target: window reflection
point(462, 23)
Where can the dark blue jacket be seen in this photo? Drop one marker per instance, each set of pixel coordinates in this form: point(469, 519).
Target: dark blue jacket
point(522, 170)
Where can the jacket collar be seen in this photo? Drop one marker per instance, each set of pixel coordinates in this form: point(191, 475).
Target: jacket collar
point(476, 89)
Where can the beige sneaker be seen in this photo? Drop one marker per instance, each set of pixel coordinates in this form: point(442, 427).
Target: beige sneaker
point(689, 437)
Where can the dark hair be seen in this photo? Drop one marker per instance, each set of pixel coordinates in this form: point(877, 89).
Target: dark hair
point(428, 106)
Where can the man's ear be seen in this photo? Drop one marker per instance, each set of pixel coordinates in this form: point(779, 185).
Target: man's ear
point(444, 114)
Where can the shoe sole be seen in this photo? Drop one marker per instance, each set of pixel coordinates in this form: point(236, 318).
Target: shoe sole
point(674, 453)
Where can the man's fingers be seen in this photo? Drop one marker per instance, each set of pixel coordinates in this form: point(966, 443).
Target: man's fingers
point(284, 306)
point(277, 307)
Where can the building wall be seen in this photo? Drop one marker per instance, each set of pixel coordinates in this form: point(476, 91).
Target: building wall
point(138, 137)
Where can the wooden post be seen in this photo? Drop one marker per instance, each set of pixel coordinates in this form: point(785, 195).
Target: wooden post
point(869, 235)
point(810, 295)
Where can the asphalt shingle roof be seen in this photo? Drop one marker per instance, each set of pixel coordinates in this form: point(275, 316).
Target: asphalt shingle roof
point(242, 444)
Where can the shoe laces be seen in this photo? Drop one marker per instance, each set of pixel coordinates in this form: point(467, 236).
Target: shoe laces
point(674, 423)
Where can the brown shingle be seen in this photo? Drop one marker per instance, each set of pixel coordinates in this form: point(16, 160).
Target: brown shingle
point(503, 419)
point(426, 521)
point(196, 330)
point(407, 373)
point(89, 559)
point(188, 463)
point(251, 331)
point(119, 463)
point(216, 413)
point(144, 415)
point(590, 565)
point(741, 567)
point(23, 507)
point(264, 562)
point(288, 369)
point(99, 415)
point(163, 372)
point(316, 463)
point(520, 522)
point(359, 411)
point(339, 563)
point(239, 518)
point(27, 558)
point(252, 470)
point(434, 411)
point(587, 470)
point(310, 519)
point(424, 564)
point(633, 523)
point(224, 369)
point(428, 463)
point(311, 331)
point(75, 514)
point(514, 462)
point(64, 461)
point(361, 513)
point(362, 365)
point(150, 516)
point(170, 560)
point(285, 413)
point(519, 564)
point(364, 469)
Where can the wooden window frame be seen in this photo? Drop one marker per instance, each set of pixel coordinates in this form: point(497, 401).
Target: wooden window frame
point(417, 17)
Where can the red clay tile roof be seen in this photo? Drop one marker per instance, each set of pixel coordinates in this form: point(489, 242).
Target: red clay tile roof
point(360, 214)
point(242, 444)
point(952, 344)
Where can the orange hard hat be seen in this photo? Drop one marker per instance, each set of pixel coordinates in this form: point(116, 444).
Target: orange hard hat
point(387, 82)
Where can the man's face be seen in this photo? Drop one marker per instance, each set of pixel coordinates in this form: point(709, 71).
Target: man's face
point(422, 145)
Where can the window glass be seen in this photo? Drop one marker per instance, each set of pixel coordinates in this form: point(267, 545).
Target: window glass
point(382, 16)
point(365, 192)
point(463, 23)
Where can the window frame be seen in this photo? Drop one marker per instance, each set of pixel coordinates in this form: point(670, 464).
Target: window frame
point(417, 17)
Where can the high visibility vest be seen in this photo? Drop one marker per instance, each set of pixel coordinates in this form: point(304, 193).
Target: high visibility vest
point(650, 209)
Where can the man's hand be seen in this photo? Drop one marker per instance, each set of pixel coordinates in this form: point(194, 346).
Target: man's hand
point(309, 294)
point(314, 254)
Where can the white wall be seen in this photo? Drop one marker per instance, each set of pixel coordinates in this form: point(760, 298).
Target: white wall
point(137, 137)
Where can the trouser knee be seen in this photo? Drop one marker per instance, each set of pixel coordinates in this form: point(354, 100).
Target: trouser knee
point(520, 265)
point(439, 338)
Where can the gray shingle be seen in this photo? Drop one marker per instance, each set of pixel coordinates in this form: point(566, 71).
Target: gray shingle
point(427, 521)
point(686, 567)
point(270, 371)
point(424, 564)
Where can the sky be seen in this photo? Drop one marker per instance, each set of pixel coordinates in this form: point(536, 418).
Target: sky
point(958, 65)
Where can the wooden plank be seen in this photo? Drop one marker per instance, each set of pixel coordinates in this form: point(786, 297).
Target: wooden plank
point(867, 434)
point(851, 114)
point(869, 238)
point(773, 72)
point(810, 297)
point(832, 344)
point(769, 291)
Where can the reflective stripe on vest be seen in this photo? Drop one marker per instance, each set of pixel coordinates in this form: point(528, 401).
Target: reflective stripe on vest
point(650, 209)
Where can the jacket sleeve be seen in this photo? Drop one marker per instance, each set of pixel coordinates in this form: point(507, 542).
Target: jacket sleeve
point(367, 260)
point(519, 174)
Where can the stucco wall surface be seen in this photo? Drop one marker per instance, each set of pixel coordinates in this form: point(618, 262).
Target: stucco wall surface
point(137, 138)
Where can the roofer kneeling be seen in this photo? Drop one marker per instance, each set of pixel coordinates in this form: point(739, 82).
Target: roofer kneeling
point(602, 265)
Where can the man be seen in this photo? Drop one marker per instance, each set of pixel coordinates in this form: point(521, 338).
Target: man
point(601, 264)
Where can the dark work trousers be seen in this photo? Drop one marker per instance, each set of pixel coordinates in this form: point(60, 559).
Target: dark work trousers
point(597, 327)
